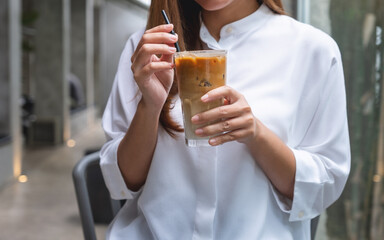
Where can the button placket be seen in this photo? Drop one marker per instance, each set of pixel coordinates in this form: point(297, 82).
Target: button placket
point(206, 193)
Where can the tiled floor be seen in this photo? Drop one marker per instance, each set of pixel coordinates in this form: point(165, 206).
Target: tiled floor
point(45, 207)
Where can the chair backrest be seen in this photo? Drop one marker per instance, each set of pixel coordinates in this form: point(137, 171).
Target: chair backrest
point(314, 223)
point(95, 204)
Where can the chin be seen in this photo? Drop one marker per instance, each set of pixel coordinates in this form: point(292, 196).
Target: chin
point(213, 5)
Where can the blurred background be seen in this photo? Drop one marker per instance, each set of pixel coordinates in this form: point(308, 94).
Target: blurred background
point(58, 59)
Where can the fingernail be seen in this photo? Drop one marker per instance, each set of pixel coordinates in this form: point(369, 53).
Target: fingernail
point(199, 131)
point(212, 141)
point(173, 37)
point(195, 118)
point(172, 49)
point(205, 97)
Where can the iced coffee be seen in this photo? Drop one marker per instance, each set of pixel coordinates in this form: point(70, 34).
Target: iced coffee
point(197, 73)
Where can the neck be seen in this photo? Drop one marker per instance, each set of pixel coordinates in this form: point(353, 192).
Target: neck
point(236, 10)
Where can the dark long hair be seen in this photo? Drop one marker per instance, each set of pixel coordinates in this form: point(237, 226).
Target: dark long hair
point(184, 14)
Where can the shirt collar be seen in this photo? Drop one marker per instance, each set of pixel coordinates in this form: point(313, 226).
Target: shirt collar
point(250, 22)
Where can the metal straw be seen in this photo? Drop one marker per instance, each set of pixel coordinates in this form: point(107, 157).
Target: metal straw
point(172, 32)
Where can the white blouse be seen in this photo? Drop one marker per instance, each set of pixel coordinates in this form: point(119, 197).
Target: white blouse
point(291, 75)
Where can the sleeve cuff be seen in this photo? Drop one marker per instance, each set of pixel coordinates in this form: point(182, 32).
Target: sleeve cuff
point(284, 203)
point(307, 197)
point(308, 189)
point(112, 174)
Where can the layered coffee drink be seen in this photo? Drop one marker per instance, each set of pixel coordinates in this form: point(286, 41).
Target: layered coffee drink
point(197, 73)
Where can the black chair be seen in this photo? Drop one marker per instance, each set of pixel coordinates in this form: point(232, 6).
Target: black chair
point(95, 204)
point(314, 223)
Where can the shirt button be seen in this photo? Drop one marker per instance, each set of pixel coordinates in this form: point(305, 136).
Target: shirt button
point(229, 30)
point(301, 214)
point(122, 193)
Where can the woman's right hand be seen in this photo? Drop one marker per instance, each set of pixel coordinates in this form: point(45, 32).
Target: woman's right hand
point(152, 65)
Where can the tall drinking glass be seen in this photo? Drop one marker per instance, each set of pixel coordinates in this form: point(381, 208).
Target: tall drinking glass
point(197, 73)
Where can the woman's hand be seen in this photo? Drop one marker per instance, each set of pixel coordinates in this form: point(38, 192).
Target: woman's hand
point(235, 119)
point(152, 65)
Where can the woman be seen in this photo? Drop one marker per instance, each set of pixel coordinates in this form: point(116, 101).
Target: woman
point(284, 155)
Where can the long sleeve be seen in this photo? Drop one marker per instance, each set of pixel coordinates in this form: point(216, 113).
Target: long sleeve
point(323, 154)
point(118, 114)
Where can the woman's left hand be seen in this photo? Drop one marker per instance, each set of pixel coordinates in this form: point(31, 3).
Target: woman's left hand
point(235, 119)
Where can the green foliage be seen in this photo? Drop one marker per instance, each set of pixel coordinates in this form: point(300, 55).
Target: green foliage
point(350, 217)
point(29, 17)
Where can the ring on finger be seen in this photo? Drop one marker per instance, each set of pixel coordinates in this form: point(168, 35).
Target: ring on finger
point(226, 125)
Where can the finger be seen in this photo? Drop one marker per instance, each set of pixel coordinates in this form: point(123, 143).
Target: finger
point(167, 58)
point(164, 28)
point(157, 37)
point(151, 68)
point(228, 137)
point(222, 127)
point(161, 28)
point(147, 51)
point(222, 112)
point(225, 92)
